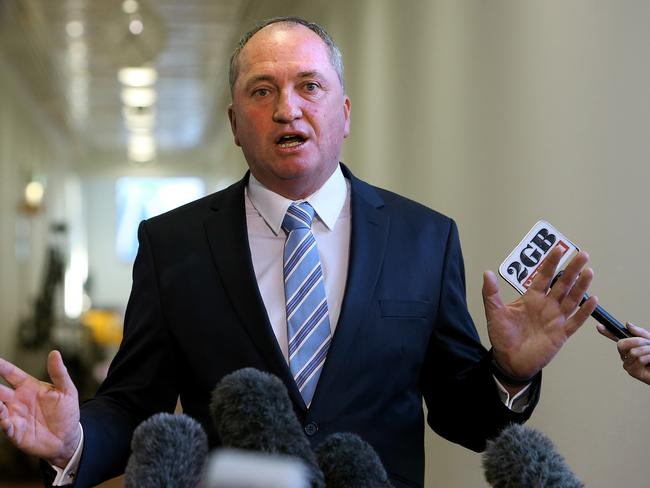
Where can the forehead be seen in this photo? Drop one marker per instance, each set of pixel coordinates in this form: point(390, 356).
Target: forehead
point(279, 45)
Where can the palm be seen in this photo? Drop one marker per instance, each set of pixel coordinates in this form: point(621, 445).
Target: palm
point(40, 418)
point(527, 333)
point(531, 327)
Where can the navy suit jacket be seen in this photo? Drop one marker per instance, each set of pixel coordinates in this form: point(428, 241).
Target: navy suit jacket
point(404, 334)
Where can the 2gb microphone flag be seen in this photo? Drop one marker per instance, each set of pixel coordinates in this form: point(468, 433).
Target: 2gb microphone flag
point(522, 264)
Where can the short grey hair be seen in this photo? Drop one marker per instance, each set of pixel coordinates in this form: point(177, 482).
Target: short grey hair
point(335, 54)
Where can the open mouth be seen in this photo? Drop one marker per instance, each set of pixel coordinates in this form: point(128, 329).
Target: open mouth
point(291, 140)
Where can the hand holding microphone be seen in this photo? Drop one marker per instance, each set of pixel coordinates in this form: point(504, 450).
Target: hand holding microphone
point(634, 351)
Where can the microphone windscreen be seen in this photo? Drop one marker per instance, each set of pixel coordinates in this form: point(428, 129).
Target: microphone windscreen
point(522, 457)
point(347, 460)
point(167, 450)
point(252, 410)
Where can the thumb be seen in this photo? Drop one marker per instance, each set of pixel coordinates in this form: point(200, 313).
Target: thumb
point(491, 297)
point(603, 331)
point(59, 373)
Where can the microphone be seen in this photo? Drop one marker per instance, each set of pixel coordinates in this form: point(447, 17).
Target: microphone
point(616, 328)
point(252, 410)
point(234, 468)
point(167, 450)
point(347, 460)
point(522, 457)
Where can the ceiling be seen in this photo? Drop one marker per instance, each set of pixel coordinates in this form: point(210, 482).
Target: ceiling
point(67, 55)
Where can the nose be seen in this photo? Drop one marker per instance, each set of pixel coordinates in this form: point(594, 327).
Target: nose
point(287, 108)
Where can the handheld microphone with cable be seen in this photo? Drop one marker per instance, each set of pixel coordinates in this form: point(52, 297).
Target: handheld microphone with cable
point(167, 450)
point(252, 410)
point(616, 328)
point(347, 460)
point(522, 457)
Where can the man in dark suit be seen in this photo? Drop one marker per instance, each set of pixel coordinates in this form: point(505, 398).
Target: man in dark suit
point(210, 280)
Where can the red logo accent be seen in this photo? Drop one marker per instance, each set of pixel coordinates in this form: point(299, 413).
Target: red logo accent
point(564, 246)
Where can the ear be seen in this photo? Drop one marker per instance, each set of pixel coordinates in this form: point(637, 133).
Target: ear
point(347, 107)
point(233, 123)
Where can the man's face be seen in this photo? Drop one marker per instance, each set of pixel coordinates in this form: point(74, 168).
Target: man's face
point(289, 112)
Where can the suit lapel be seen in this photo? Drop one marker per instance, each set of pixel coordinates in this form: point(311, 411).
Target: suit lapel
point(367, 245)
point(228, 239)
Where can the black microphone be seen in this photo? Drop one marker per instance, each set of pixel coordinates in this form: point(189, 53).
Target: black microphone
point(167, 450)
point(349, 461)
point(616, 328)
point(522, 457)
point(252, 410)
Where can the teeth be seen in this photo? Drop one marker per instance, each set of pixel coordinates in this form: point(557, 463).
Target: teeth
point(290, 141)
point(290, 144)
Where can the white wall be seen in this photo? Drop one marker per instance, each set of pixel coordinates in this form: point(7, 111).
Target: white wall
point(501, 113)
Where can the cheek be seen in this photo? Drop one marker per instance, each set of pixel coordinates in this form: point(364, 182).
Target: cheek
point(250, 127)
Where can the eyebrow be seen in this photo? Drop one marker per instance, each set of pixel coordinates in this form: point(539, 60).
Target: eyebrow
point(256, 79)
point(310, 74)
point(301, 75)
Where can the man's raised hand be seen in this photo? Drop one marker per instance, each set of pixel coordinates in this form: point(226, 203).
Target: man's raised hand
point(41, 419)
point(527, 333)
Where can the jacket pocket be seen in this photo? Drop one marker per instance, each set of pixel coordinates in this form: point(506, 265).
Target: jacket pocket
point(407, 309)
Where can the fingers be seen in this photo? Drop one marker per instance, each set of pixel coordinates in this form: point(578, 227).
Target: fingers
point(638, 331)
point(637, 367)
point(6, 394)
point(640, 352)
point(577, 292)
point(4, 415)
point(5, 424)
point(491, 297)
point(633, 348)
point(546, 272)
point(567, 282)
point(4, 412)
point(581, 316)
point(59, 373)
point(12, 374)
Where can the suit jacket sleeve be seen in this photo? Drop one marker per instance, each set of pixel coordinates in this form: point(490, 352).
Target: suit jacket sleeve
point(142, 380)
point(463, 402)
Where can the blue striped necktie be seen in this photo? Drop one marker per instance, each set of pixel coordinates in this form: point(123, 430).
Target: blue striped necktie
point(308, 321)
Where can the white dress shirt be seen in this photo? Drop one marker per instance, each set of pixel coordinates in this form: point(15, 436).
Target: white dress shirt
point(331, 226)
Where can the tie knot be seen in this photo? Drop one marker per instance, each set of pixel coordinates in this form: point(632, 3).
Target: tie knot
point(298, 216)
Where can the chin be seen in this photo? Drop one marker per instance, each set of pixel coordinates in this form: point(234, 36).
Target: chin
point(295, 168)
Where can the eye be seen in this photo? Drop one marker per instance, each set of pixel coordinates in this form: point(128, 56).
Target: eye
point(311, 86)
point(261, 92)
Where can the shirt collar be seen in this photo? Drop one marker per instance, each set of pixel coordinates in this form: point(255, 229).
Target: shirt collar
point(327, 201)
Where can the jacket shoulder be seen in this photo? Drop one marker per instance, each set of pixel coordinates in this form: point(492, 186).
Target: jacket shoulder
point(195, 212)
